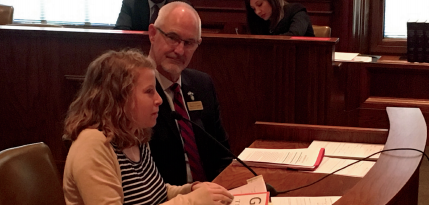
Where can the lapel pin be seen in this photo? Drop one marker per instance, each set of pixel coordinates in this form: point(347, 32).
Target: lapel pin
point(191, 95)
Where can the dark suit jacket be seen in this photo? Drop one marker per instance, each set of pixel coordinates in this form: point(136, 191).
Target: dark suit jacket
point(135, 15)
point(166, 144)
point(295, 22)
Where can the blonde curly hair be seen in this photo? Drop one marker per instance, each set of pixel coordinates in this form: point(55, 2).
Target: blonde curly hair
point(100, 103)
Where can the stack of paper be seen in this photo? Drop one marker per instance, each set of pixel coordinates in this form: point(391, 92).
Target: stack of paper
point(318, 200)
point(254, 185)
point(342, 56)
point(341, 154)
point(348, 150)
point(330, 165)
point(255, 192)
point(301, 159)
point(254, 189)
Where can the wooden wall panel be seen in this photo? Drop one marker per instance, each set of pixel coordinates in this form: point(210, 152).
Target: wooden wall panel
point(371, 87)
point(35, 92)
point(258, 78)
point(266, 79)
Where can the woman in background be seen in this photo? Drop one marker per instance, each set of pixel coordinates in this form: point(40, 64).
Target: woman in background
point(278, 17)
point(110, 121)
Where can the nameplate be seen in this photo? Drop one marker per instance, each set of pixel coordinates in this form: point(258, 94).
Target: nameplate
point(195, 105)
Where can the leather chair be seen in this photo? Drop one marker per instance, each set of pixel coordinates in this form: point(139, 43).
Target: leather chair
point(322, 31)
point(28, 176)
point(6, 14)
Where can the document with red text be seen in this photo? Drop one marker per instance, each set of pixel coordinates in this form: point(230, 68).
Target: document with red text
point(261, 198)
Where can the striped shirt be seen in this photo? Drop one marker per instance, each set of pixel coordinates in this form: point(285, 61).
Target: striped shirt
point(141, 181)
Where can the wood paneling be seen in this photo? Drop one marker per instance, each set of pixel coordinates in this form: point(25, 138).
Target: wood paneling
point(269, 78)
point(307, 133)
point(371, 87)
point(35, 93)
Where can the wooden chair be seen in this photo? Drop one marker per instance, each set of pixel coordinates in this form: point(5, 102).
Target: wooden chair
point(322, 31)
point(28, 176)
point(6, 14)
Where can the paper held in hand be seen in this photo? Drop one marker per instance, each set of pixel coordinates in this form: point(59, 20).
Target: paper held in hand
point(254, 191)
point(301, 159)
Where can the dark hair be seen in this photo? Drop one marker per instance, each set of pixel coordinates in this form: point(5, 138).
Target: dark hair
point(259, 26)
point(100, 103)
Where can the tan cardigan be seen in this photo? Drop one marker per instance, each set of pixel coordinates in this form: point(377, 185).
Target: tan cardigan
point(92, 174)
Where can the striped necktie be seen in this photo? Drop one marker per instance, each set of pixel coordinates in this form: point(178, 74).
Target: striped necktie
point(188, 136)
point(154, 14)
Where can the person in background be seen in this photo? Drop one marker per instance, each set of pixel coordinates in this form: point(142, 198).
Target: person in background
point(183, 152)
point(138, 14)
point(109, 161)
point(277, 17)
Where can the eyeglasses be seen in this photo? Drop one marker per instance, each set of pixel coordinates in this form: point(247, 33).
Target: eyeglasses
point(174, 40)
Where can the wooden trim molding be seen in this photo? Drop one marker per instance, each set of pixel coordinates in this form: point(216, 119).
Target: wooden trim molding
point(379, 44)
point(360, 27)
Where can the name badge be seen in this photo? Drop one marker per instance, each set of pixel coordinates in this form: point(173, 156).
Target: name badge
point(195, 105)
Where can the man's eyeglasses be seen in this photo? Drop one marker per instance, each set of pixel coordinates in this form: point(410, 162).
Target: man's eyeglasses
point(174, 40)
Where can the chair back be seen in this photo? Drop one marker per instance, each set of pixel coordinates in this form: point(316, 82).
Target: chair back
point(322, 31)
point(28, 176)
point(6, 14)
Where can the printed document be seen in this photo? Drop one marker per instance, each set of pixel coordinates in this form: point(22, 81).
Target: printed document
point(320, 200)
point(330, 165)
point(302, 159)
point(348, 150)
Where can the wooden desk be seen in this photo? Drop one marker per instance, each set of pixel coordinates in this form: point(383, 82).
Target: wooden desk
point(392, 180)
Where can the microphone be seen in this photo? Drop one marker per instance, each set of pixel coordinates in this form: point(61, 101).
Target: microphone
point(178, 116)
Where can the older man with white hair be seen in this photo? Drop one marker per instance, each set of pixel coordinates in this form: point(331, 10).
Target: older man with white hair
point(182, 152)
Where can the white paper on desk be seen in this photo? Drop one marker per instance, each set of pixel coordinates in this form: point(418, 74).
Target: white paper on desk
point(254, 198)
point(322, 200)
point(348, 150)
point(296, 157)
point(362, 59)
point(254, 185)
point(341, 56)
point(330, 165)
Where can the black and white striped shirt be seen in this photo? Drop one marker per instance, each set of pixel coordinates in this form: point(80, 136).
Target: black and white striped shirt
point(141, 181)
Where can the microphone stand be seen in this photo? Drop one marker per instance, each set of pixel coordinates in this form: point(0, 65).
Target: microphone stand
point(178, 116)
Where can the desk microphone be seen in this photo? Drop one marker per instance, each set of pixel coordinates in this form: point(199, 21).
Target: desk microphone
point(178, 116)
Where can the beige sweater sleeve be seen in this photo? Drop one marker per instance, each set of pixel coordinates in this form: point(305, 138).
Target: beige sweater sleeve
point(200, 196)
point(92, 175)
point(178, 195)
point(173, 191)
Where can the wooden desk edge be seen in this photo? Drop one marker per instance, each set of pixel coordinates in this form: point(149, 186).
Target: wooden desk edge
point(407, 129)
